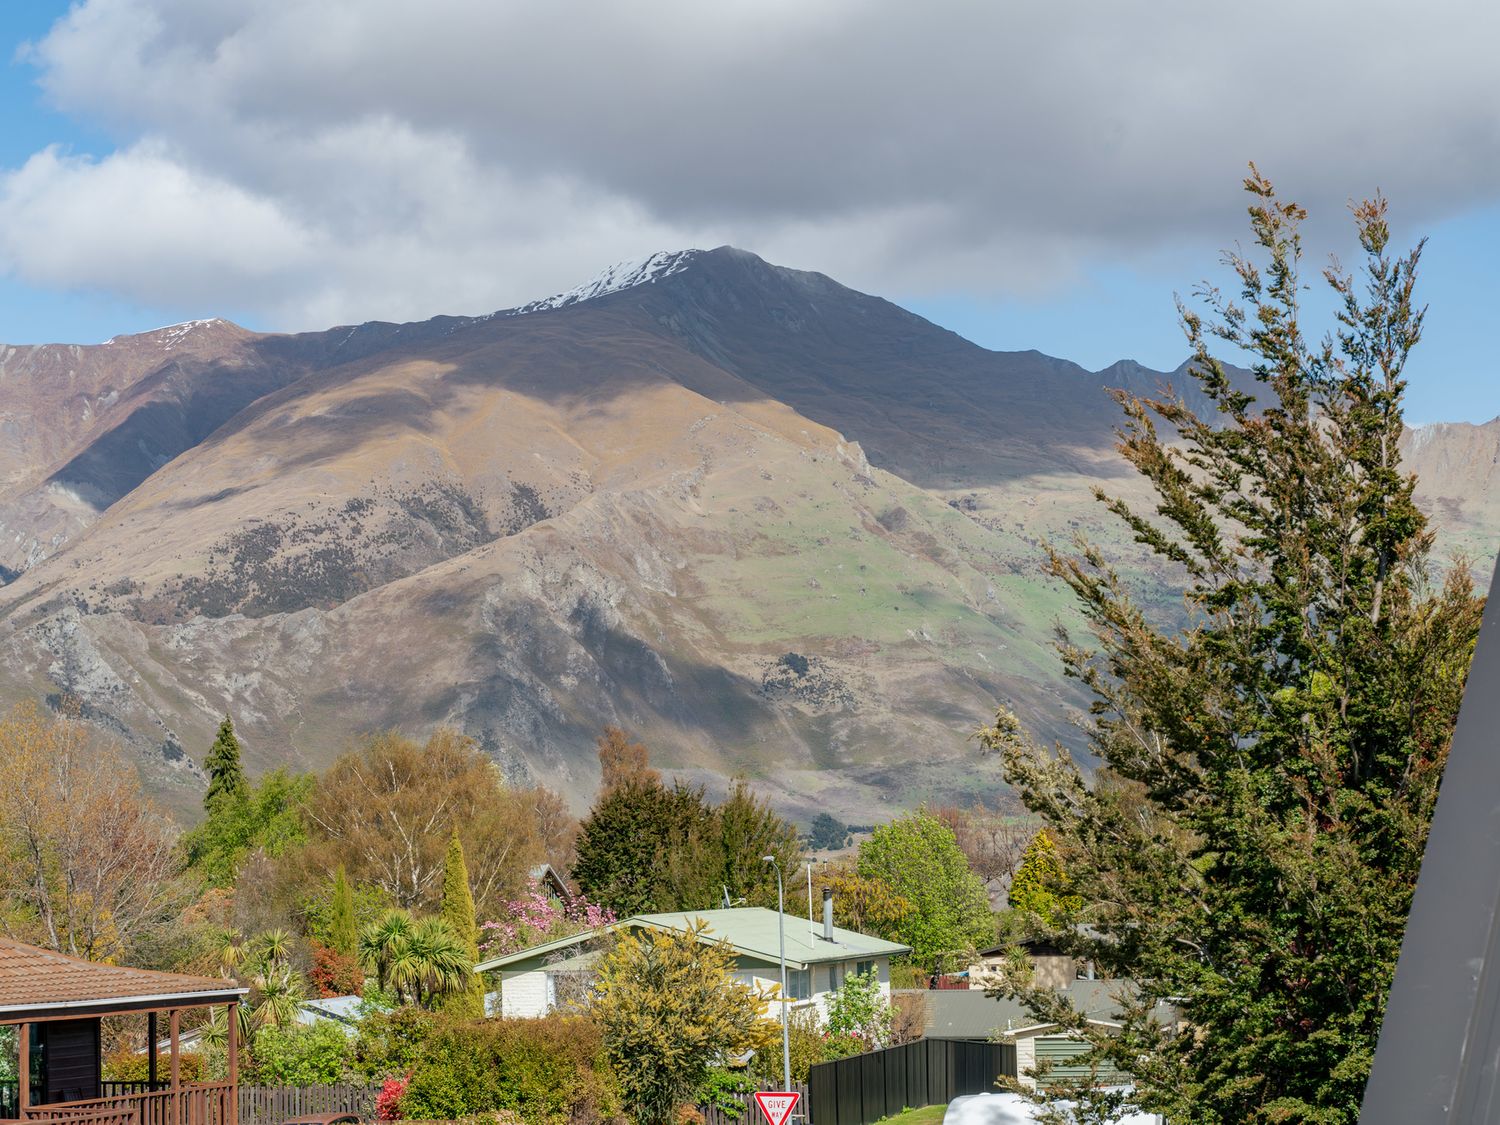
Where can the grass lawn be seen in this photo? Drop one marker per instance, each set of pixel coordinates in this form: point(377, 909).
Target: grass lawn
point(927, 1115)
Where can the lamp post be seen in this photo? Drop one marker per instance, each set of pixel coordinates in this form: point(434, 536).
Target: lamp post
point(786, 1040)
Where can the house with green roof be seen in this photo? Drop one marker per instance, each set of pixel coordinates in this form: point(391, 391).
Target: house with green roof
point(549, 976)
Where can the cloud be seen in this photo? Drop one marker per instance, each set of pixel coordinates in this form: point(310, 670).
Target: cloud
point(315, 159)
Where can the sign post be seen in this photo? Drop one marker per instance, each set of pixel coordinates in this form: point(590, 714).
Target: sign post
point(777, 1105)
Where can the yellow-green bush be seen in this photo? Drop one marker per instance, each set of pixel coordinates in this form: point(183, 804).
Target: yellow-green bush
point(548, 1071)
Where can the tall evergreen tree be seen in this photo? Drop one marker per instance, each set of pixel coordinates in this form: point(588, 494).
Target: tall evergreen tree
point(750, 830)
point(1250, 846)
point(343, 933)
point(647, 847)
point(458, 912)
point(226, 775)
point(1040, 887)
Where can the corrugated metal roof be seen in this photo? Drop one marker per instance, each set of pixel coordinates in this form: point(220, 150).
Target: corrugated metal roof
point(755, 930)
point(32, 979)
point(959, 1014)
point(752, 930)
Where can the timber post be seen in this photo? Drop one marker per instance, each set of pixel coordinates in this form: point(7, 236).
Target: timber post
point(174, 1024)
point(23, 1069)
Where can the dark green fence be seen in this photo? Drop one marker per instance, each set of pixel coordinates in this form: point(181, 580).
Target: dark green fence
point(864, 1088)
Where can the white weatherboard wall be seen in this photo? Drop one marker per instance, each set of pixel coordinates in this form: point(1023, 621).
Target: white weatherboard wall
point(1026, 1061)
point(524, 995)
point(528, 995)
point(825, 980)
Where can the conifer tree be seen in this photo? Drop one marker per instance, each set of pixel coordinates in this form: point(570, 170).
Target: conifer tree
point(750, 830)
point(458, 913)
point(343, 933)
point(645, 846)
point(1251, 842)
point(226, 775)
point(1040, 886)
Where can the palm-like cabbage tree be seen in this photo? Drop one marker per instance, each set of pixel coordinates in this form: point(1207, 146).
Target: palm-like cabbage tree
point(280, 994)
point(435, 963)
point(381, 942)
point(272, 947)
point(420, 961)
point(229, 952)
point(214, 1037)
point(277, 989)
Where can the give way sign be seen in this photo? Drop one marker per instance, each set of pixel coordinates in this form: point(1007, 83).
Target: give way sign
point(777, 1105)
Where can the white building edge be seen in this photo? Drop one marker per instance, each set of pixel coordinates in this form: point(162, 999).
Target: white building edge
point(545, 978)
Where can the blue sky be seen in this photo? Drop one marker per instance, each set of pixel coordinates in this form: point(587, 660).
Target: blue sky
point(1032, 183)
point(1120, 313)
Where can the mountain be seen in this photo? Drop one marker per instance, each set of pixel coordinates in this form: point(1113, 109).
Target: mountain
point(771, 525)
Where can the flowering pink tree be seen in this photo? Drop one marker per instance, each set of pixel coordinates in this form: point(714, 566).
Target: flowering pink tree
point(536, 917)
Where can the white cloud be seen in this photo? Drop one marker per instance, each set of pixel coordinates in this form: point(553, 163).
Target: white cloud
point(327, 160)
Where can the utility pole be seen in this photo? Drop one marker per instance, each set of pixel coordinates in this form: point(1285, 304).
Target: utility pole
point(786, 1039)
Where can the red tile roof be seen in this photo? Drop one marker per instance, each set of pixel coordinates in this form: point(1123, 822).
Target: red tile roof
point(32, 978)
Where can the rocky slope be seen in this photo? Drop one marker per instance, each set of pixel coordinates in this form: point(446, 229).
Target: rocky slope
point(772, 525)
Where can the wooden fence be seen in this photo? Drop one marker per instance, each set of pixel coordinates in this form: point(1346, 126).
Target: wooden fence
point(199, 1103)
point(750, 1112)
point(10, 1093)
point(862, 1089)
point(271, 1105)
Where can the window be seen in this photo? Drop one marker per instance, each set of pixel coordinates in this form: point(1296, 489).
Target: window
point(799, 984)
point(863, 967)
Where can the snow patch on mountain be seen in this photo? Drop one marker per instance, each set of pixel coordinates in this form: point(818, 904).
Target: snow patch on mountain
point(171, 334)
point(621, 276)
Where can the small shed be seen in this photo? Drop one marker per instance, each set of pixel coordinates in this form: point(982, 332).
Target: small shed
point(1046, 1054)
point(55, 1002)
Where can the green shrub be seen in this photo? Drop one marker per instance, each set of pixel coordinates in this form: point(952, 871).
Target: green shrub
point(804, 1037)
point(721, 1087)
point(318, 1055)
point(548, 1071)
point(860, 1011)
point(125, 1064)
point(389, 1042)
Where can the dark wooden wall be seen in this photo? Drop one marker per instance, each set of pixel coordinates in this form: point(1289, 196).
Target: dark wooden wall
point(70, 1050)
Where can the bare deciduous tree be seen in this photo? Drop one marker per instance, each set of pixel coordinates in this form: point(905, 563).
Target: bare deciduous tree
point(993, 842)
point(88, 861)
point(387, 809)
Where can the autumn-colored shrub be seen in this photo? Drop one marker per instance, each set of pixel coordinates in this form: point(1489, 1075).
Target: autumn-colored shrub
point(388, 1100)
point(334, 973)
point(125, 1064)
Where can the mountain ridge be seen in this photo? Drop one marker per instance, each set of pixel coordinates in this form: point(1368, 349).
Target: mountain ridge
point(773, 525)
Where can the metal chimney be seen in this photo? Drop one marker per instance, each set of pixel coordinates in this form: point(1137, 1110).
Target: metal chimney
point(827, 913)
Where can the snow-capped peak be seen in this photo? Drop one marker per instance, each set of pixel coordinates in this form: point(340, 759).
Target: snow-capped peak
point(171, 334)
point(624, 275)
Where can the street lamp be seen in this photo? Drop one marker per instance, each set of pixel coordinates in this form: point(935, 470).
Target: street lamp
point(786, 1040)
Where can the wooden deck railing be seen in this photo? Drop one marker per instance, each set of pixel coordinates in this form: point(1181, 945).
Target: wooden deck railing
point(203, 1103)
